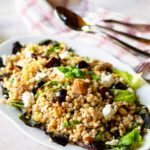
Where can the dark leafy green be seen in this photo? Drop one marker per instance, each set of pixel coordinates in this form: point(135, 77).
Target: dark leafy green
point(1, 62)
point(97, 145)
point(70, 49)
point(37, 86)
point(59, 138)
point(30, 122)
point(2, 76)
point(16, 47)
point(45, 42)
point(5, 92)
point(145, 114)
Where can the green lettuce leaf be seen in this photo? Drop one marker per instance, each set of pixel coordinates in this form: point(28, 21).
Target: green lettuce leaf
point(119, 148)
point(131, 138)
point(123, 95)
point(135, 81)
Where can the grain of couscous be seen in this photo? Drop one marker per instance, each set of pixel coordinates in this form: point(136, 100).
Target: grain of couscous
point(73, 99)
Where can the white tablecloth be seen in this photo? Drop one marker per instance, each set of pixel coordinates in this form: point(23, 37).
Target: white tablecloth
point(11, 26)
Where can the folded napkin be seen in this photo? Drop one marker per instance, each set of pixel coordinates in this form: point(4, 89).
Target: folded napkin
point(38, 16)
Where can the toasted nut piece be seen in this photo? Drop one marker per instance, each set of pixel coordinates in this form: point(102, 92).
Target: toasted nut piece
point(79, 87)
point(101, 66)
point(105, 66)
point(123, 111)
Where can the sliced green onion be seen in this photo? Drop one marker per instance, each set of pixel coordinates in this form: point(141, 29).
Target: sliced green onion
point(17, 104)
point(52, 83)
point(37, 95)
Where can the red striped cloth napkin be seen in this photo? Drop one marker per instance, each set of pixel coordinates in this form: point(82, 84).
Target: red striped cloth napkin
point(38, 16)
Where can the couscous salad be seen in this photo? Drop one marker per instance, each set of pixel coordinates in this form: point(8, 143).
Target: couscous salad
point(74, 99)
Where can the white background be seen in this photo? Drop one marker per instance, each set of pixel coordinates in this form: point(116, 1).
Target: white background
point(11, 26)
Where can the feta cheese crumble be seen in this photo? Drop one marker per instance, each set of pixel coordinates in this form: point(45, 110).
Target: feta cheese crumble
point(59, 74)
point(112, 142)
point(107, 80)
point(40, 75)
point(28, 54)
point(6, 59)
point(28, 99)
point(63, 55)
point(23, 62)
point(108, 112)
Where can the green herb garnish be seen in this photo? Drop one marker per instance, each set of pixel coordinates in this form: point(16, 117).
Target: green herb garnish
point(94, 76)
point(71, 71)
point(12, 79)
point(63, 69)
point(52, 83)
point(71, 123)
point(69, 74)
point(98, 136)
point(54, 47)
point(78, 73)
